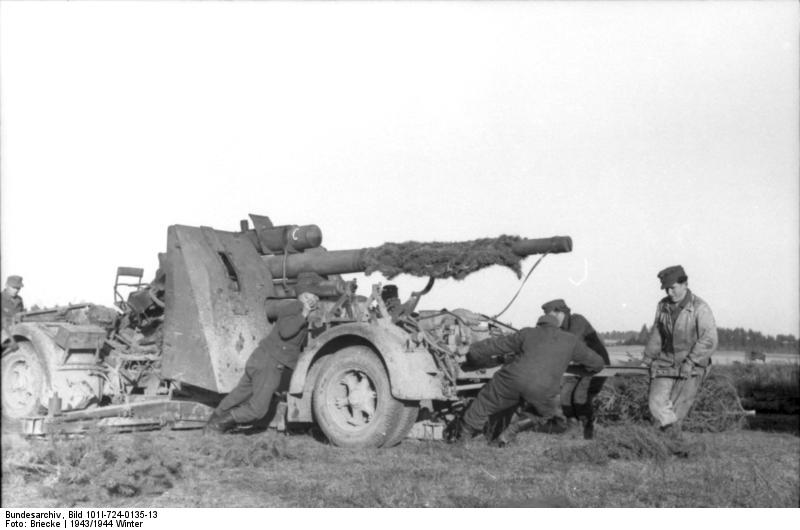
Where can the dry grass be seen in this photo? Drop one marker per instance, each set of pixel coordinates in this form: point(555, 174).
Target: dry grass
point(96, 468)
point(627, 465)
point(272, 470)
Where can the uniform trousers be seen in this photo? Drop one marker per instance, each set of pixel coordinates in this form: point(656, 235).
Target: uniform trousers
point(671, 398)
point(504, 391)
point(251, 398)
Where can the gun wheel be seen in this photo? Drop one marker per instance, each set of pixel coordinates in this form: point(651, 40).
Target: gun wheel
point(25, 382)
point(352, 400)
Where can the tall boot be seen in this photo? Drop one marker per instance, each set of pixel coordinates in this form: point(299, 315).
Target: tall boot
point(465, 435)
point(220, 422)
point(514, 428)
point(458, 432)
point(588, 427)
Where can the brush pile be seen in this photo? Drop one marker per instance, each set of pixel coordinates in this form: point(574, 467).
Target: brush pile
point(443, 260)
point(717, 408)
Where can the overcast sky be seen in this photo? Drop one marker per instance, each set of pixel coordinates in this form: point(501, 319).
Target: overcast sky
point(652, 133)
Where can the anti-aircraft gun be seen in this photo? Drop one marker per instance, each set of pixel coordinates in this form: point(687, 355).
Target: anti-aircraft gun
point(361, 378)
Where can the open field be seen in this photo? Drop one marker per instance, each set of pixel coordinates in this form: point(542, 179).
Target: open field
point(625, 466)
point(269, 469)
point(619, 353)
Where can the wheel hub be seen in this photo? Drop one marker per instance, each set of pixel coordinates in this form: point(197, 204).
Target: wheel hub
point(358, 400)
point(19, 383)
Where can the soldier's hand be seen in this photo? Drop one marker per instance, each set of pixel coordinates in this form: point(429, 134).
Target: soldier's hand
point(686, 369)
point(309, 301)
point(653, 366)
point(315, 319)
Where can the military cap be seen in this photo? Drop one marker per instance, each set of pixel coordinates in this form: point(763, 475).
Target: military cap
point(14, 281)
point(389, 291)
point(555, 305)
point(547, 320)
point(672, 275)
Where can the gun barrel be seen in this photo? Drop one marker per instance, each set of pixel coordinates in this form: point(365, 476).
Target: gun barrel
point(350, 261)
point(320, 262)
point(552, 245)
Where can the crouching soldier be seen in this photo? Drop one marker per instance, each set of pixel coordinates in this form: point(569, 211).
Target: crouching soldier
point(683, 338)
point(543, 354)
point(271, 362)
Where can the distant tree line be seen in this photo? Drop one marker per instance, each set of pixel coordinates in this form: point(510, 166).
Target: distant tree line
point(729, 339)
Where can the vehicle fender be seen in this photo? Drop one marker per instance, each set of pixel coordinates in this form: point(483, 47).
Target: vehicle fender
point(413, 374)
point(74, 386)
point(49, 352)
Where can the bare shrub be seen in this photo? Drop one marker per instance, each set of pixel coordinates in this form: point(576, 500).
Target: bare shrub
point(623, 400)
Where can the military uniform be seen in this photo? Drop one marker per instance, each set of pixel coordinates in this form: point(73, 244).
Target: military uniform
point(269, 364)
point(681, 342)
point(11, 303)
point(543, 354)
point(577, 393)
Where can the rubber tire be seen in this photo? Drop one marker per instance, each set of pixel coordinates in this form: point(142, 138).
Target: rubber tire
point(408, 417)
point(389, 412)
point(39, 384)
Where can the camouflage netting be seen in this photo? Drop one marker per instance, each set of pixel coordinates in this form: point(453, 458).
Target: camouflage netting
point(717, 409)
point(443, 260)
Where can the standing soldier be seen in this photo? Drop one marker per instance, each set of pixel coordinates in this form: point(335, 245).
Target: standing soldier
point(581, 390)
point(12, 301)
point(679, 350)
point(543, 354)
point(264, 370)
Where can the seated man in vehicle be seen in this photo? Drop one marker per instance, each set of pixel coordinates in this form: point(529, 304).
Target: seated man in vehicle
point(543, 354)
point(264, 370)
point(396, 308)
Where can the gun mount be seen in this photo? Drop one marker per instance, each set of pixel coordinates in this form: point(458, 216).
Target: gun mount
point(190, 331)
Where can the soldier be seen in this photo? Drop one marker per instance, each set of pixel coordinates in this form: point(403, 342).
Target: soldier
point(12, 301)
point(543, 354)
point(581, 390)
point(683, 338)
point(391, 299)
point(269, 364)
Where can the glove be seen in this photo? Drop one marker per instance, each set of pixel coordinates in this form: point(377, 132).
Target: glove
point(686, 370)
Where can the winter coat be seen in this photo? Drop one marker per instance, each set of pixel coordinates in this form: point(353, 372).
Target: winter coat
point(11, 305)
point(287, 336)
point(578, 325)
point(543, 354)
point(693, 335)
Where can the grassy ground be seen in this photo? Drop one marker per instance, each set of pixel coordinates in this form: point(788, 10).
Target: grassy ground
point(188, 469)
point(625, 466)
